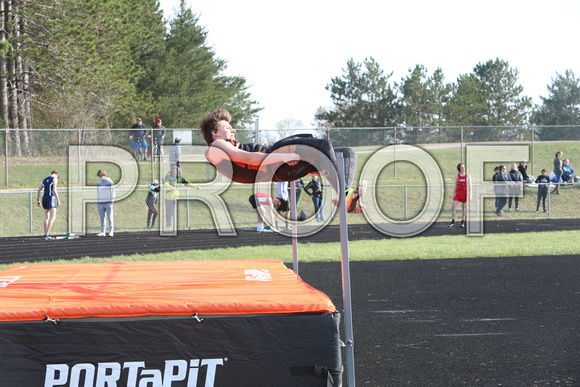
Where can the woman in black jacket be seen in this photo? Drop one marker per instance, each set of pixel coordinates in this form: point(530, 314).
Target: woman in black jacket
point(314, 190)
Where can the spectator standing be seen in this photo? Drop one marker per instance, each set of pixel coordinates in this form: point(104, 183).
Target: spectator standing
point(558, 171)
point(516, 182)
point(567, 171)
point(462, 193)
point(260, 200)
point(175, 155)
point(299, 185)
point(151, 201)
point(494, 178)
point(158, 137)
point(500, 190)
point(543, 182)
point(138, 134)
point(314, 190)
point(50, 200)
point(523, 168)
point(105, 198)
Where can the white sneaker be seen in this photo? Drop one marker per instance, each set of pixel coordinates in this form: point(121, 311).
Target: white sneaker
point(101, 234)
point(509, 210)
point(111, 234)
point(518, 210)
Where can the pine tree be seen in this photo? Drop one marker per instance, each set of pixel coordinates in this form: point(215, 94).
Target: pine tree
point(561, 108)
point(190, 79)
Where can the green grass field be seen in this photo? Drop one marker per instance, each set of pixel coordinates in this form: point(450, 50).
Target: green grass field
point(490, 245)
point(22, 217)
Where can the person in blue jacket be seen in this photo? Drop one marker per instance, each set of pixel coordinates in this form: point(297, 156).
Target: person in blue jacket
point(50, 200)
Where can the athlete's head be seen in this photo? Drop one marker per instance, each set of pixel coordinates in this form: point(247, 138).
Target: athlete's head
point(55, 172)
point(216, 124)
point(459, 167)
point(102, 173)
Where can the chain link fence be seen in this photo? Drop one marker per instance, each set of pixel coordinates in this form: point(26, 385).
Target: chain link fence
point(29, 156)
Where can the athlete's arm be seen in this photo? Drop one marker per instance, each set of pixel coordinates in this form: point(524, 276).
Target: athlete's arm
point(55, 181)
point(38, 194)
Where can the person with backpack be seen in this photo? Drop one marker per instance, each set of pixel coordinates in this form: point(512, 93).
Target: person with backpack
point(314, 190)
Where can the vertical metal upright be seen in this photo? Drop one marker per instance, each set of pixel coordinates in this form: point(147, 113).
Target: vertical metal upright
point(6, 155)
point(345, 264)
point(294, 226)
point(461, 145)
point(345, 273)
point(394, 152)
point(532, 160)
point(257, 131)
point(152, 155)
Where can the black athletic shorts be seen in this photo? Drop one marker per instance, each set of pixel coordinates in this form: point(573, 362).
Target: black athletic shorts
point(48, 202)
point(283, 205)
point(253, 201)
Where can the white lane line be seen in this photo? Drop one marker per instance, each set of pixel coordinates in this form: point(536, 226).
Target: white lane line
point(473, 334)
point(403, 311)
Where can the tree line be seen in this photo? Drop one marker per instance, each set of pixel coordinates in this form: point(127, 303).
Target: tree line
point(423, 106)
point(102, 63)
point(98, 64)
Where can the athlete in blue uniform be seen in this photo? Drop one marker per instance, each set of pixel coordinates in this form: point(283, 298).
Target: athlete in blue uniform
point(50, 201)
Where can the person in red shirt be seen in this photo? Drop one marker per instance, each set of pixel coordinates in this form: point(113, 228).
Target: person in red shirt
point(461, 193)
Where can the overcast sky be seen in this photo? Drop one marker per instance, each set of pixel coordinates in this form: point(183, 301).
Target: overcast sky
point(288, 52)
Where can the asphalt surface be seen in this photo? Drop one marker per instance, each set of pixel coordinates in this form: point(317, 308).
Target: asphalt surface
point(461, 322)
point(31, 248)
point(474, 321)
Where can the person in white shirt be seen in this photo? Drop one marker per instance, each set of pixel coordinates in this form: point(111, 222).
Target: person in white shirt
point(175, 155)
point(105, 199)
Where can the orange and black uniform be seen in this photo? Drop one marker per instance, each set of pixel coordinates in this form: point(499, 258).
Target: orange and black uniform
point(306, 146)
point(242, 172)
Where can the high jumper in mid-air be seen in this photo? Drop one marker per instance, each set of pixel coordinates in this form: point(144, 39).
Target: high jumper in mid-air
point(286, 160)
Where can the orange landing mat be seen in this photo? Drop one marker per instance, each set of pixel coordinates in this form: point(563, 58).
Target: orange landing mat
point(127, 289)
